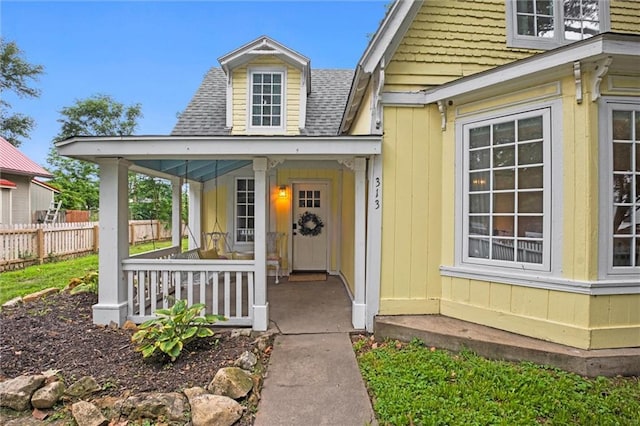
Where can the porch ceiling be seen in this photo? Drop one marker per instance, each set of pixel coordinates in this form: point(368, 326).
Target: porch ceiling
point(202, 158)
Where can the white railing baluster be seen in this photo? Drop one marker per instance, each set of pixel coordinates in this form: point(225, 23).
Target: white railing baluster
point(153, 293)
point(130, 284)
point(250, 295)
point(227, 294)
point(165, 289)
point(142, 299)
point(238, 294)
point(190, 288)
point(214, 295)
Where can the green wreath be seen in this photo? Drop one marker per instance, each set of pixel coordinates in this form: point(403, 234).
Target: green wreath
point(307, 218)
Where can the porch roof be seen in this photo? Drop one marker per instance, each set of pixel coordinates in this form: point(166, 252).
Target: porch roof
point(202, 158)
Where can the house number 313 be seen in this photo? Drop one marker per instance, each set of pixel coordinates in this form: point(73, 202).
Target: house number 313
point(376, 198)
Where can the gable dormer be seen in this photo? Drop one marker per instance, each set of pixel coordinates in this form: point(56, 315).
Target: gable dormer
point(267, 88)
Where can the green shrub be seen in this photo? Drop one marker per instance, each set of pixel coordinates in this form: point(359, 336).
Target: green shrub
point(173, 329)
point(87, 283)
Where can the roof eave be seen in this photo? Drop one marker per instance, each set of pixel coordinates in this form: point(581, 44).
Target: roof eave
point(382, 45)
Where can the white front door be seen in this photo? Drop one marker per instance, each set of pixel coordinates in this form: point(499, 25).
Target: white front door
point(310, 226)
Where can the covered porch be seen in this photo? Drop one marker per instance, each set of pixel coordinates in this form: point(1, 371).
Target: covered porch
point(134, 287)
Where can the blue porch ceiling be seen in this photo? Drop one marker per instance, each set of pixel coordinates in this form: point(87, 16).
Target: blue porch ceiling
point(195, 170)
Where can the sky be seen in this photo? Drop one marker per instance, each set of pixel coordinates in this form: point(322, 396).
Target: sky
point(156, 52)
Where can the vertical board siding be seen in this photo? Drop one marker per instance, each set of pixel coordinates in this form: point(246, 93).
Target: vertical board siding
point(347, 246)
point(411, 216)
point(241, 92)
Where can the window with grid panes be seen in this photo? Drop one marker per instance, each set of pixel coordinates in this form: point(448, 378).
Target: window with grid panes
point(245, 203)
point(266, 99)
point(505, 194)
point(550, 23)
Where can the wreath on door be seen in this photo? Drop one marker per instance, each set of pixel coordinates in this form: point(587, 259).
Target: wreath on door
point(309, 224)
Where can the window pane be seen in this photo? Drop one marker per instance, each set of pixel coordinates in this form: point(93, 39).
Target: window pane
point(545, 27)
point(479, 159)
point(275, 121)
point(637, 149)
point(276, 100)
point(267, 89)
point(266, 78)
point(479, 225)
point(309, 203)
point(242, 210)
point(502, 250)
point(530, 153)
point(503, 202)
point(255, 121)
point(530, 226)
point(316, 203)
point(301, 203)
point(544, 7)
point(526, 25)
point(504, 133)
point(257, 78)
point(504, 179)
point(275, 110)
point(622, 220)
point(479, 181)
point(266, 110)
point(503, 226)
point(530, 202)
point(622, 125)
point(309, 194)
point(622, 188)
point(257, 89)
point(524, 6)
point(479, 203)
point(622, 157)
point(479, 137)
point(622, 251)
point(479, 248)
point(530, 128)
point(266, 121)
point(503, 156)
point(277, 78)
point(530, 178)
point(530, 251)
point(276, 89)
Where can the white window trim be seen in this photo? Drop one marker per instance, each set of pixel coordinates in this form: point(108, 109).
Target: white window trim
point(533, 42)
point(605, 240)
point(283, 109)
point(552, 243)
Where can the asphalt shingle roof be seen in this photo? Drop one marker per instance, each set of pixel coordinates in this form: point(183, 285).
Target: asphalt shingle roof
point(206, 113)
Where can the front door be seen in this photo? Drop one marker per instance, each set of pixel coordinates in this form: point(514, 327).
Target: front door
point(310, 226)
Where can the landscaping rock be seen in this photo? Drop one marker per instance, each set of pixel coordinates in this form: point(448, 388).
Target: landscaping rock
point(13, 302)
point(16, 393)
point(240, 332)
point(247, 361)
point(233, 382)
point(152, 405)
point(48, 396)
point(87, 414)
point(37, 295)
point(191, 393)
point(83, 387)
point(214, 410)
point(130, 325)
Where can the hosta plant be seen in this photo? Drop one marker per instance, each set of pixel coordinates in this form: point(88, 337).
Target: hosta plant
point(173, 328)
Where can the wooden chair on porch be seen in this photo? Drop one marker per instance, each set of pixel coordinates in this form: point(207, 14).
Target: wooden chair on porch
point(274, 252)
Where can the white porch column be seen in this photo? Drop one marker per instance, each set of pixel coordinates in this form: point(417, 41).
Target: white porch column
point(195, 214)
point(374, 240)
point(176, 208)
point(358, 311)
point(114, 242)
point(260, 304)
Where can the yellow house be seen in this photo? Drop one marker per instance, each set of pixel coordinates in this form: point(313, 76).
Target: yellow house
point(481, 162)
point(510, 165)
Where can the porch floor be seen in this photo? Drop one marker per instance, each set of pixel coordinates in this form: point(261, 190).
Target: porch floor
point(453, 334)
point(309, 307)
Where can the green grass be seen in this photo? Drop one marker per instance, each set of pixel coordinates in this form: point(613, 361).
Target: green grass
point(412, 384)
point(56, 274)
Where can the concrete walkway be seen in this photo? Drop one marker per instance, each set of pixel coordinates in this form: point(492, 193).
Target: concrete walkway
point(313, 377)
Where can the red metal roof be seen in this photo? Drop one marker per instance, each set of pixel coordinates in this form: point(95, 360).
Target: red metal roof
point(5, 183)
point(13, 161)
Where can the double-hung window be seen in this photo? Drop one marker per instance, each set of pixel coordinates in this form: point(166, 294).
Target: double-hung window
point(545, 24)
point(620, 151)
point(245, 204)
point(266, 100)
point(506, 191)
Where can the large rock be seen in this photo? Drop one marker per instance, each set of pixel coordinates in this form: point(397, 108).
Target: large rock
point(87, 414)
point(47, 396)
point(247, 361)
point(152, 405)
point(214, 410)
point(16, 393)
point(83, 387)
point(233, 382)
point(37, 295)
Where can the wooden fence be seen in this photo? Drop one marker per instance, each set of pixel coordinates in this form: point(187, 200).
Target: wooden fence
point(28, 244)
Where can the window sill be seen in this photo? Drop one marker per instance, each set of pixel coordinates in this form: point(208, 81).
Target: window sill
point(541, 281)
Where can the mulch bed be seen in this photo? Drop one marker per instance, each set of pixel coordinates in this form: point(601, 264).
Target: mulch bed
point(57, 333)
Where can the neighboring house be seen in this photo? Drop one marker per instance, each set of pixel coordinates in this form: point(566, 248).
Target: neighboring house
point(21, 194)
point(483, 165)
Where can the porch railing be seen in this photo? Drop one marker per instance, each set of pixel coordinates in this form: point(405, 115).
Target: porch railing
point(226, 287)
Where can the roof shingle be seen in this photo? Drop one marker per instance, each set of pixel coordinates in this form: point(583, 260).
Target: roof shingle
point(206, 113)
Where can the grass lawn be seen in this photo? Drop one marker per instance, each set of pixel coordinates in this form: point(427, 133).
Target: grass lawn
point(56, 274)
point(413, 384)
